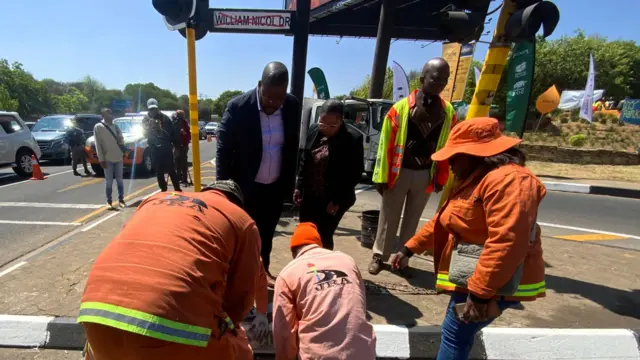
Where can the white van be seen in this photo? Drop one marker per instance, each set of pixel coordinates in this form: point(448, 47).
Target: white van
point(17, 145)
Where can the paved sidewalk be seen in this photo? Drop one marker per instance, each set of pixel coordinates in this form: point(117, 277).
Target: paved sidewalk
point(594, 187)
point(588, 286)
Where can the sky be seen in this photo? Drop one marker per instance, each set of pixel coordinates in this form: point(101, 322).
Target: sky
point(125, 41)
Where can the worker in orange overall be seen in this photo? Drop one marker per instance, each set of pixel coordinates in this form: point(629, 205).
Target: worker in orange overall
point(319, 304)
point(176, 281)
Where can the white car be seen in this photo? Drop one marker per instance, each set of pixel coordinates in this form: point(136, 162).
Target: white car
point(17, 145)
point(211, 128)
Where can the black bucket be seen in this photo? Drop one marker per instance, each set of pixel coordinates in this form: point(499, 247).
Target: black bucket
point(369, 227)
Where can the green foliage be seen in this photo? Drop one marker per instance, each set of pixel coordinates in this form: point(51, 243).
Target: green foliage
point(387, 91)
point(21, 86)
point(71, 102)
point(220, 104)
point(166, 99)
point(471, 82)
point(6, 102)
point(578, 140)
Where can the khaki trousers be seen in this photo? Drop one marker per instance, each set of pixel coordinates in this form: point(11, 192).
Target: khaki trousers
point(408, 191)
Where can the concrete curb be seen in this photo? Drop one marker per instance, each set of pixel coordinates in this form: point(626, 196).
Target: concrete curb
point(393, 342)
point(592, 189)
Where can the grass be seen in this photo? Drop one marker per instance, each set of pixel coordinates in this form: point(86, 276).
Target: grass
point(586, 172)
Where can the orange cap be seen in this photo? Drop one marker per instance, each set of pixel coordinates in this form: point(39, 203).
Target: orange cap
point(305, 234)
point(477, 137)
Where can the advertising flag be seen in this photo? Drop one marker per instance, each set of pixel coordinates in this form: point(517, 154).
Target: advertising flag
point(451, 54)
point(400, 82)
point(519, 81)
point(319, 83)
point(586, 112)
point(462, 73)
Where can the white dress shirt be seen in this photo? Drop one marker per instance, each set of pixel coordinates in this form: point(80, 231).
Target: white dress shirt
point(272, 142)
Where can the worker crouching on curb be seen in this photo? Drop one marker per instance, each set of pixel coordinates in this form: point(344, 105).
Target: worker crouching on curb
point(485, 239)
point(176, 281)
point(319, 304)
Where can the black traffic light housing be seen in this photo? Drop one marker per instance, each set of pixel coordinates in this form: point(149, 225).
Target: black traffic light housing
point(461, 26)
point(201, 22)
point(529, 17)
point(182, 14)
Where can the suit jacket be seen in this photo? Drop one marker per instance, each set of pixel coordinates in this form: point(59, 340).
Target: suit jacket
point(239, 151)
point(345, 167)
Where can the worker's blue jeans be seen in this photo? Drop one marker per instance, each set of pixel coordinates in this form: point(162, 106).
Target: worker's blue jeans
point(114, 169)
point(457, 336)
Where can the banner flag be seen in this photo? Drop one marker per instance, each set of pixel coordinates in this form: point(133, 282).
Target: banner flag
point(451, 54)
point(320, 83)
point(462, 73)
point(400, 82)
point(586, 112)
point(519, 84)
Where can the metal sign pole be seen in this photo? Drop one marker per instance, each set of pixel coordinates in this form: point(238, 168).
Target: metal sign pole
point(193, 107)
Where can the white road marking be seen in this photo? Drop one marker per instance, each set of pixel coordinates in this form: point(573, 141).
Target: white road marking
point(12, 268)
point(39, 223)
point(100, 221)
point(7, 175)
point(588, 230)
point(50, 205)
point(150, 195)
point(48, 176)
point(364, 188)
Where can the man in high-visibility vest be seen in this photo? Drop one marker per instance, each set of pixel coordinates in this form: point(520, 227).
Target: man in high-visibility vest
point(177, 280)
point(414, 128)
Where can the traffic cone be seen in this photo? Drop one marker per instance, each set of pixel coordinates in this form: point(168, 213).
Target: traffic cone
point(37, 172)
point(208, 138)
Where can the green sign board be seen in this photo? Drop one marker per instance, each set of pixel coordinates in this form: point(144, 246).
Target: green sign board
point(519, 83)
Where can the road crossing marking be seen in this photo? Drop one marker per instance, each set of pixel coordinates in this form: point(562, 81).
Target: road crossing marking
point(28, 180)
point(588, 230)
point(50, 205)
point(39, 223)
point(590, 237)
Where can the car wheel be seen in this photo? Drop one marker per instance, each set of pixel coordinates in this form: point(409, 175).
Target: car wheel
point(97, 169)
point(24, 165)
point(146, 167)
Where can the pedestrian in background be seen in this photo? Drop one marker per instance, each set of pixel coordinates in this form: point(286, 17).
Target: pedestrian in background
point(257, 148)
point(485, 240)
point(181, 151)
point(162, 137)
point(110, 149)
point(75, 138)
point(331, 165)
point(413, 129)
point(319, 304)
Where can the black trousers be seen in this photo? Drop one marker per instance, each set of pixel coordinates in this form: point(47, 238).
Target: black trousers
point(163, 164)
point(314, 209)
point(264, 205)
point(180, 154)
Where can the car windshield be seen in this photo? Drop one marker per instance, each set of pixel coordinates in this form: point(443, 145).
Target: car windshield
point(52, 123)
point(129, 126)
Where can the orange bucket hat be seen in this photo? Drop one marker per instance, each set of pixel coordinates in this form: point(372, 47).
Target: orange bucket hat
point(305, 234)
point(477, 137)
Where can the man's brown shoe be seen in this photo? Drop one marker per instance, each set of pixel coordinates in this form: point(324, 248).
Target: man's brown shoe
point(375, 266)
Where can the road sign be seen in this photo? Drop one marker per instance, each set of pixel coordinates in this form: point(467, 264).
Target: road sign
point(260, 21)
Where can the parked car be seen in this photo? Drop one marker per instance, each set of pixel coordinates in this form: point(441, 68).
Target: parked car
point(30, 124)
point(139, 157)
point(17, 144)
point(211, 128)
point(202, 133)
point(50, 131)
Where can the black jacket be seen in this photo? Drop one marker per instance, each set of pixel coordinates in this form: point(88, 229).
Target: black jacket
point(157, 136)
point(75, 137)
point(345, 167)
point(239, 149)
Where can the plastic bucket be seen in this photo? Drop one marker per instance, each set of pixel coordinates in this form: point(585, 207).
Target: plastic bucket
point(369, 227)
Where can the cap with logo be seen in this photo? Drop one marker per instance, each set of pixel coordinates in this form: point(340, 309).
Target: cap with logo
point(152, 103)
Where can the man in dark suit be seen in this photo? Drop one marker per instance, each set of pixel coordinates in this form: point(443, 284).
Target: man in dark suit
point(257, 147)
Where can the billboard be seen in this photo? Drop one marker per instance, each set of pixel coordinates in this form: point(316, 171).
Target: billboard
point(451, 54)
point(462, 73)
point(291, 4)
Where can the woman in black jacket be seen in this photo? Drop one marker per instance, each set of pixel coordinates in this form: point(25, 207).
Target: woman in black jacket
point(331, 166)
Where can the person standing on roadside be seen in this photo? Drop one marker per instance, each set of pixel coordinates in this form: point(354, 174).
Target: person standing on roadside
point(181, 151)
point(110, 149)
point(413, 129)
point(161, 137)
point(75, 138)
point(331, 166)
point(257, 148)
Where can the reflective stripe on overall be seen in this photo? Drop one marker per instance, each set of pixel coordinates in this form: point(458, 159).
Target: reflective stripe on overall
point(524, 290)
point(144, 324)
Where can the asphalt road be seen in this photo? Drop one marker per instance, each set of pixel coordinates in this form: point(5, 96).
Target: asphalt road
point(33, 213)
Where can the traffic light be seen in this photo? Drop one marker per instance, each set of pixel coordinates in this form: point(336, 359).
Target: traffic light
point(460, 26)
point(529, 17)
point(175, 12)
point(201, 22)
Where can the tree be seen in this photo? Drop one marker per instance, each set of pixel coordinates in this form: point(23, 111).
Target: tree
point(220, 103)
point(72, 102)
point(31, 95)
point(387, 90)
point(166, 99)
point(6, 102)
point(471, 82)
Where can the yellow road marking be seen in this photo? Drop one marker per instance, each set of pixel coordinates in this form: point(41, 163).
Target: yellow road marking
point(590, 237)
point(207, 164)
point(208, 177)
point(104, 208)
point(207, 171)
point(82, 183)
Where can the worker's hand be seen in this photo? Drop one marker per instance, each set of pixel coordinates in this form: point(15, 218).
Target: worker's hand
point(297, 197)
point(103, 164)
point(399, 261)
point(381, 187)
point(260, 328)
point(332, 208)
point(474, 312)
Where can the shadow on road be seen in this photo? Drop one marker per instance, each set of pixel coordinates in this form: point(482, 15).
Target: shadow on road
point(394, 310)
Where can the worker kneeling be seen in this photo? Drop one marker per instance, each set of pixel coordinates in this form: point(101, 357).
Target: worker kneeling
point(176, 281)
point(319, 306)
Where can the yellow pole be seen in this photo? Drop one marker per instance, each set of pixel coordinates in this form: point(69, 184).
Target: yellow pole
point(193, 108)
point(487, 85)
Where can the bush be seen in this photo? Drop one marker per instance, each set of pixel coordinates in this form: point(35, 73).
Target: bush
point(564, 117)
point(599, 117)
point(577, 140)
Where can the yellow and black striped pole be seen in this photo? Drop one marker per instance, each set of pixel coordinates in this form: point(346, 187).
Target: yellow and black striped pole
point(492, 69)
point(193, 108)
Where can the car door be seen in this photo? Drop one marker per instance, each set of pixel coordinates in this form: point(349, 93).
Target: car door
point(6, 156)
